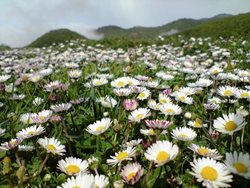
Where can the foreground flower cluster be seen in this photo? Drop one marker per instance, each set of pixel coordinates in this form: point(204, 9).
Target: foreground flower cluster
point(154, 116)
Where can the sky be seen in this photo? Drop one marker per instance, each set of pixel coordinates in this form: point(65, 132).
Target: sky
point(22, 21)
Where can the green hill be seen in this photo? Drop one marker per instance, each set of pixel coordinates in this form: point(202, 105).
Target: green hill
point(149, 32)
point(232, 26)
point(4, 47)
point(55, 36)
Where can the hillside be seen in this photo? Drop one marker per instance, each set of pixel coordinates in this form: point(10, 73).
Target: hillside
point(146, 32)
point(232, 26)
point(4, 47)
point(55, 36)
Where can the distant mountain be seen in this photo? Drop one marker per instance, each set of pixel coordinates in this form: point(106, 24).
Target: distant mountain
point(55, 36)
point(238, 25)
point(167, 29)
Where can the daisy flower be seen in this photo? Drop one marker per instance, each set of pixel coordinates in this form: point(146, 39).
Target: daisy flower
point(120, 156)
point(161, 152)
point(42, 117)
point(205, 151)
point(139, 114)
point(73, 166)
point(27, 118)
point(183, 98)
point(107, 101)
point(170, 109)
point(131, 173)
point(4, 78)
point(52, 145)
point(158, 124)
point(61, 107)
point(202, 82)
point(148, 132)
point(143, 95)
point(75, 74)
point(99, 127)
point(211, 173)
point(164, 99)
point(120, 82)
point(80, 181)
point(2, 131)
point(197, 123)
point(99, 81)
point(130, 104)
point(227, 91)
point(13, 143)
point(101, 181)
point(238, 163)
point(183, 134)
point(30, 132)
point(243, 94)
point(229, 123)
point(122, 91)
point(37, 101)
point(153, 105)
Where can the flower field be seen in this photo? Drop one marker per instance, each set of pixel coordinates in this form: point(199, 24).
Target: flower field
point(175, 114)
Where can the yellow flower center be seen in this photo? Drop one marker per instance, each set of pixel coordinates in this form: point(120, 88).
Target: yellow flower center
point(209, 173)
point(181, 98)
point(72, 169)
point(131, 175)
point(216, 71)
point(51, 147)
point(197, 122)
point(162, 156)
point(151, 131)
point(139, 116)
point(98, 82)
point(228, 93)
point(100, 128)
point(163, 101)
point(240, 167)
point(42, 117)
point(203, 151)
point(141, 95)
point(76, 186)
point(169, 110)
point(122, 155)
point(31, 133)
point(120, 84)
point(183, 136)
point(230, 126)
point(244, 95)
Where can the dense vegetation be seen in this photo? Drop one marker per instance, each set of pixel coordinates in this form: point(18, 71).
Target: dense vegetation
point(55, 36)
point(237, 26)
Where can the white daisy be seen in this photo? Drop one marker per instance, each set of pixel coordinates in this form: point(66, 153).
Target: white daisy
point(131, 173)
point(73, 166)
point(161, 152)
point(99, 127)
point(212, 174)
point(126, 154)
point(101, 181)
point(139, 114)
point(229, 123)
point(183, 134)
point(80, 181)
point(31, 131)
point(52, 145)
point(238, 163)
point(170, 109)
point(205, 151)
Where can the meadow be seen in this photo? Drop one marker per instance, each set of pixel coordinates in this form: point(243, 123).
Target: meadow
point(170, 114)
